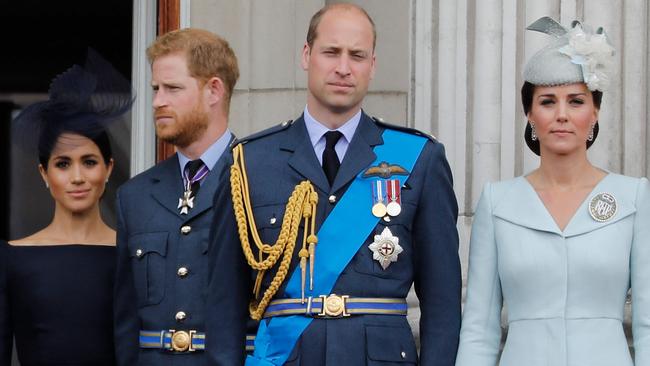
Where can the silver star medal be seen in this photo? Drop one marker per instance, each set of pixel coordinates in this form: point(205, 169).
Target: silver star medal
point(186, 202)
point(385, 248)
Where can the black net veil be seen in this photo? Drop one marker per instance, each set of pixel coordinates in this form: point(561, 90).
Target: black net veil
point(83, 100)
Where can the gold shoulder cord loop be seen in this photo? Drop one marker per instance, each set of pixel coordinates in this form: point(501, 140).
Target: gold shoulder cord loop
point(300, 206)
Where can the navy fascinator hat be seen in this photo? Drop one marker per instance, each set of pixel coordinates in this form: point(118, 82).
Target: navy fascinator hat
point(82, 100)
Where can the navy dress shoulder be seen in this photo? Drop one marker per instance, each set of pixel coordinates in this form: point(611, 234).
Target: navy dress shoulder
point(57, 303)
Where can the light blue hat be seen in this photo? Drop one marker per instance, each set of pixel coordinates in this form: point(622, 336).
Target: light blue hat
point(576, 55)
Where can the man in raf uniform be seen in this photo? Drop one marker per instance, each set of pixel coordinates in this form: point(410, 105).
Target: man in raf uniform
point(338, 215)
point(165, 213)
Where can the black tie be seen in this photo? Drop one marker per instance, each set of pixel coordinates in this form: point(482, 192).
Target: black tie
point(331, 161)
point(193, 167)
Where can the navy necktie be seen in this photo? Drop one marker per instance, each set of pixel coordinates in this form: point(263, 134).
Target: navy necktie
point(331, 161)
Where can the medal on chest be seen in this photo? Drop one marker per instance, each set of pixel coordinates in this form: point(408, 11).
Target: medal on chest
point(394, 206)
point(385, 248)
point(378, 198)
point(386, 197)
point(186, 202)
point(386, 203)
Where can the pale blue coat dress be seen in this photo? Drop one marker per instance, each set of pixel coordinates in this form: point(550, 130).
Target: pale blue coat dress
point(564, 291)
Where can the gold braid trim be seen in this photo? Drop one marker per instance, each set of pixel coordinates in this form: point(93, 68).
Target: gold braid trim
point(300, 206)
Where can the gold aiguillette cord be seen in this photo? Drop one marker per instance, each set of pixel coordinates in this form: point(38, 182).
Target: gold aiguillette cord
point(301, 205)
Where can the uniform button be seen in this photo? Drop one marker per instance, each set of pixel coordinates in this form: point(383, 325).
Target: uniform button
point(272, 220)
point(403, 354)
point(387, 218)
point(186, 229)
point(182, 272)
point(138, 253)
point(180, 316)
point(332, 199)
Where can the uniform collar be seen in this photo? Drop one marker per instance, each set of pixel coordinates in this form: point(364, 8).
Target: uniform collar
point(211, 155)
point(316, 129)
point(520, 204)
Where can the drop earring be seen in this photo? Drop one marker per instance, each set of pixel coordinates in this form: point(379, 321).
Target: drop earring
point(590, 137)
point(533, 132)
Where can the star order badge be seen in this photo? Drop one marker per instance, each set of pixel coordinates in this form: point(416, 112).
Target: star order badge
point(385, 248)
point(602, 207)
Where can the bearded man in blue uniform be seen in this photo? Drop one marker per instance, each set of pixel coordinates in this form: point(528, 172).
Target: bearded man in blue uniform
point(165, 213)
point(338, 215)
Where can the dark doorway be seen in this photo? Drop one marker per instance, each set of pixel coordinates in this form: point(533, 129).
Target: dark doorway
point(43, 38)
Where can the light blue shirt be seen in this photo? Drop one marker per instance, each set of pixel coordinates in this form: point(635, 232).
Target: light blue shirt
point(211, 155)
point(317, 130)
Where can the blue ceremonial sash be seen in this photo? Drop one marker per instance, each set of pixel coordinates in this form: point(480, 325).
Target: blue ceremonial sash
point(339, 238)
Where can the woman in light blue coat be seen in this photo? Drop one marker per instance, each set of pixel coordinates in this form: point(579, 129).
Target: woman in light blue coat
point(561, 246)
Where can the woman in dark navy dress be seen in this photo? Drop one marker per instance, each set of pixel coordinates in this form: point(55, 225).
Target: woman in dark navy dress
point(56, 285)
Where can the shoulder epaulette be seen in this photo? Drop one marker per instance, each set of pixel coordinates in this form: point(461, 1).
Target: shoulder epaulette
point(380, 122)
point(267, 132)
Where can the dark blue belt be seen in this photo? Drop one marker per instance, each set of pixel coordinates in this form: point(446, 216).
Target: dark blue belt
point(336, 306)
point(173, 340)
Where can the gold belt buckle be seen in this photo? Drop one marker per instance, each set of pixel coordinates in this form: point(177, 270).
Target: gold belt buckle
point(182, 340)
point(333, 306)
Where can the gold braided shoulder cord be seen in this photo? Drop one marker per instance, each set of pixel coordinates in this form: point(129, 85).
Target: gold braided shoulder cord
point(301, 205)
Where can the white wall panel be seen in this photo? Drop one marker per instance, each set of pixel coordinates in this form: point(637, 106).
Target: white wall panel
point(273, 54)
point(607, 150)
point(486, 90)
point(635, 87)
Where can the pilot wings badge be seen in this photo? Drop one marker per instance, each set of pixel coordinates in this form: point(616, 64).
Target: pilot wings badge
point(384, 170)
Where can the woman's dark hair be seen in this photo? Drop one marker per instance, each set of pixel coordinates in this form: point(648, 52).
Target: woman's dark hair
point(527, 91)
point(46, 145)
